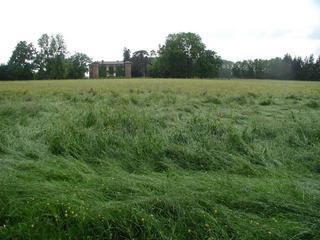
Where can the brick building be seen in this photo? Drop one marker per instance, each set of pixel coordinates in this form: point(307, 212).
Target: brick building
point(110, 69)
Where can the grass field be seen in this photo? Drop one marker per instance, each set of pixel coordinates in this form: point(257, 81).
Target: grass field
point(160, 159)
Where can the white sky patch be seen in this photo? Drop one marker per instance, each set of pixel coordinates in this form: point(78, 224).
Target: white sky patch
point(235, 29)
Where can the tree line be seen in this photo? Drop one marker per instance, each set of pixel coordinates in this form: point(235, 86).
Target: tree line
point(49, 61)
point(277, 68)
point(183, 55)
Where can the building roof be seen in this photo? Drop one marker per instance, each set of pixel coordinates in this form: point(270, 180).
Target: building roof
point(111, 62)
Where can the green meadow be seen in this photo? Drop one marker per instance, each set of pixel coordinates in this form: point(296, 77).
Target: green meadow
point(160, 159)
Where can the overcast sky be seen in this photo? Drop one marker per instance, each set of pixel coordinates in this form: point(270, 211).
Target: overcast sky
point(235, 29)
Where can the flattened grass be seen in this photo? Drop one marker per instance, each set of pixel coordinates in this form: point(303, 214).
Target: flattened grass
point(194, 86)
point(159, 159)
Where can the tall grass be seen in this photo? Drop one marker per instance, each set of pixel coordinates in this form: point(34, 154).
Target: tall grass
point(159, 161)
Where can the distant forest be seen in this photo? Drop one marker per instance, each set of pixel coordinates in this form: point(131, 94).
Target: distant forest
point(49, 61)
point(183, 55)
point(277, 68)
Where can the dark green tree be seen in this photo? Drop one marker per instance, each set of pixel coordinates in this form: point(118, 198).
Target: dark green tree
point(140, 60)
point(51, 57)
point(78, 66)
point(185, 56)
point(286, 67)
point(317, 69)
point(126, 54)
point(297, 65)
point(308, 70)
point(21, 64)
point(4, 72)
point(259, 67)
point(225, 70)
point(236, 70)
point(179, 54)
point(208, 65)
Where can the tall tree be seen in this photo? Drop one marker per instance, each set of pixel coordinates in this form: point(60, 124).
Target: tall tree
point(286, 67)
point(179, 53)
point(225, 71)
point(317, 69)
point(140, 60)
point(21, 63)
point(78, 65)
point(4, 72)
point(51, 57)
point(184, 55)
point(309, 68)
point(208, 65)
point(297, 65)
point(126, 54)
point(259, 66)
